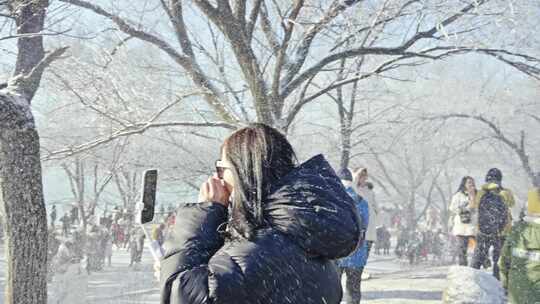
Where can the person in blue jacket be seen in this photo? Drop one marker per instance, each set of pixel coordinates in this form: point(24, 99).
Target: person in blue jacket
point(353, 265)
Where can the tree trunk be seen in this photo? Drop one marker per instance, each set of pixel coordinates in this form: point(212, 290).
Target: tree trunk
point(411, 213)
point(345, 145)
point(21, 198)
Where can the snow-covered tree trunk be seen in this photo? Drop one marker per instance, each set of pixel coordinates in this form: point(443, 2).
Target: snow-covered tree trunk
point(21, 198)
point(345, 147)
point(21, 187)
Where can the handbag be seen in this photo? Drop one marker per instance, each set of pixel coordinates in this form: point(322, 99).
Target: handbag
point(465, 215)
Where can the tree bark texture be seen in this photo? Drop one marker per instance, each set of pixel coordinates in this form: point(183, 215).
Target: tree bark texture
point(21, 198)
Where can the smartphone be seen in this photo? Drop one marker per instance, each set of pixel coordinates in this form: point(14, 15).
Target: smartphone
point(146, 210)
point(148, 196)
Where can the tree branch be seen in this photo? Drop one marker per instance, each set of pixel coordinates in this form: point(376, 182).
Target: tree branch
point(386, 66)
point(244, 54)
point(138, 128)
point(291, 84)
point(303, 50)
point(213, 96)
point(288, 25)
point(255, 11)
point(267, 30)
point(519, 149)
point(29, 83)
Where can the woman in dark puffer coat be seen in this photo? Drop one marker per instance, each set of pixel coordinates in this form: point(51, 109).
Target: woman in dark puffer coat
point(274, 243)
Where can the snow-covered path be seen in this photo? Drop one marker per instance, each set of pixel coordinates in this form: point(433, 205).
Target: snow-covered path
point(395, 282)
point(392, 282)
point(122, 284)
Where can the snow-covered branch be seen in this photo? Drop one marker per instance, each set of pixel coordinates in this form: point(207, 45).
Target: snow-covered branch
point(213, 96)
point(303, 49)
point(400, 50)
point(517, 147)
point(138, 128)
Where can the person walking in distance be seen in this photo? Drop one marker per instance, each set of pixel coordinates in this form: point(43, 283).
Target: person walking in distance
point(53, 215)
point(353, 265)
point(493, 204)
point(520, 258)
point(361, 186)
point(266, 230)
point(66, 223)
point(464, 227)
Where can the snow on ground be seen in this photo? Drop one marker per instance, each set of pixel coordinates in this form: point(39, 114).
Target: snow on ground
point(121, 284)
point(392, 282)
point(118, 284)
point(468, 285)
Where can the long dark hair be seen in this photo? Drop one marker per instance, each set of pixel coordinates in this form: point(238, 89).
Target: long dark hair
point(260, 155)
point(462, 185)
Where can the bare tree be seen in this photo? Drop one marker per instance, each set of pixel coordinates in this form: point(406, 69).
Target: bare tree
point(519, 146)
point(410, 171)
point(127, 183)
point(21, 194)
point(79, 179)
point(272, 41)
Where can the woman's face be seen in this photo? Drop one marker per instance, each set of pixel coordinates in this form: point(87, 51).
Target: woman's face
point(227, 174)
point(362, 179)
point(469, 185)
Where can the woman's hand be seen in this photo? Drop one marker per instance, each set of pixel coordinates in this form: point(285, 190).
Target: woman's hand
point(214, 190)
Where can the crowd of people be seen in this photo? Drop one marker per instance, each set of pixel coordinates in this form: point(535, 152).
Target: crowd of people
point(274, 225)
point(483, 218)
point(93, 247)
point(268, 228)
point(418, 245)
point(75, 252)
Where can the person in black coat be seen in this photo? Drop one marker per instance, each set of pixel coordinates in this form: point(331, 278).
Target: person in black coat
point(274, 242)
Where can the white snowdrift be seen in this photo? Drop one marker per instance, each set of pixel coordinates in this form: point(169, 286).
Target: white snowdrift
point(467, 286)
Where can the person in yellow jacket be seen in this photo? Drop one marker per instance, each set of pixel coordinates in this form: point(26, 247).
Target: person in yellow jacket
point(520, 259)
point(485, 241)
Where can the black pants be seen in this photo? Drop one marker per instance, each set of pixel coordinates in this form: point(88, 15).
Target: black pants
point(352, 293)
point(463, 244)
point(481, 252)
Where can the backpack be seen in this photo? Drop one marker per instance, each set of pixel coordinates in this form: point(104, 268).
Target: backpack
point(492, 213)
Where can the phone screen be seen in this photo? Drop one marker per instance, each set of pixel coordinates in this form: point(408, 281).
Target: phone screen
point(149, 195)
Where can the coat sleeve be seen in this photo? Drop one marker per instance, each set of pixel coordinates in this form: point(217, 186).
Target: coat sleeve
point(193, 241)
point(454, 204)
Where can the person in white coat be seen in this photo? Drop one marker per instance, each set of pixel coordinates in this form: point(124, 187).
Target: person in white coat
point(464, 227)
point(360, 182)
point(71, 280)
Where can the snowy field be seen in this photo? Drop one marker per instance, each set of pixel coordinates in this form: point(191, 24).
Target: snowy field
point(392, 282)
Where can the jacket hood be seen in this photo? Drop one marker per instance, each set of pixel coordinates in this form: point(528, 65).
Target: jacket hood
point(311, 206)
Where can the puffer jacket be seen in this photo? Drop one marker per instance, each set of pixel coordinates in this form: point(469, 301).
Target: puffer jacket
point(520, 262)
point(311, 221)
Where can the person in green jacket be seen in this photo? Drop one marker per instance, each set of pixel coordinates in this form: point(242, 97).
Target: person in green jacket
point(520, 259)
